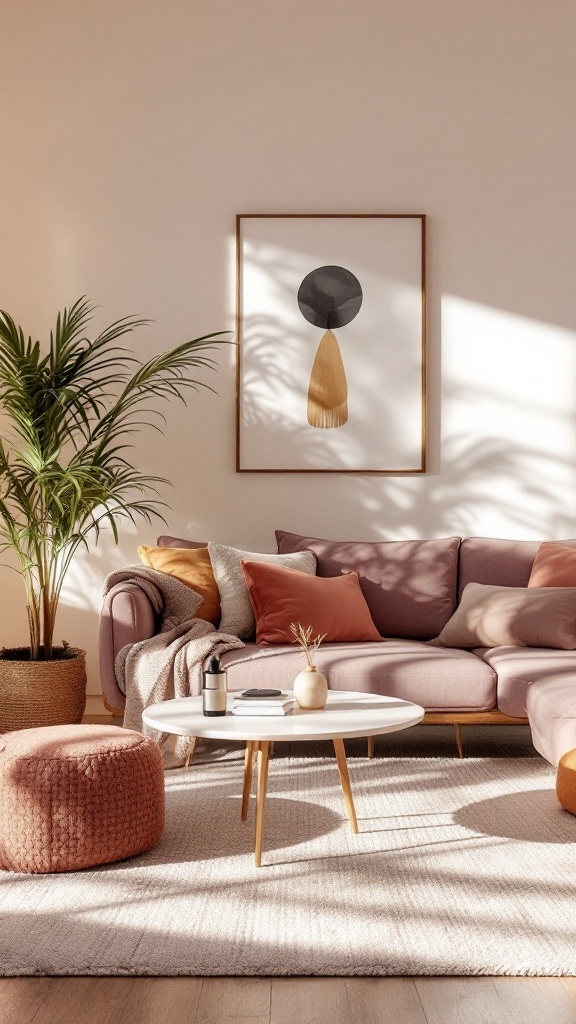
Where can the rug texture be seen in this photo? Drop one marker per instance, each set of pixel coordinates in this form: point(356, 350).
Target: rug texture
point(461, 868)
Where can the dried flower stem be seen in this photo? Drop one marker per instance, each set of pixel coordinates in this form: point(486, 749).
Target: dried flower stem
point(303, 636)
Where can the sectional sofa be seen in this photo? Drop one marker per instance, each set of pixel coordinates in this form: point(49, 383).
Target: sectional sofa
point(412, 589)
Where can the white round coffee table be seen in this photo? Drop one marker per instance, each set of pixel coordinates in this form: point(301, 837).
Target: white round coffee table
point(347, 714)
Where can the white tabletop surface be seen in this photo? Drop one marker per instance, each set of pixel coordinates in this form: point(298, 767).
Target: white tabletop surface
point(346, 714)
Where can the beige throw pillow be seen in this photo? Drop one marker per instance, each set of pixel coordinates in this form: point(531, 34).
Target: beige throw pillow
point(236, 609)
point(490, 616)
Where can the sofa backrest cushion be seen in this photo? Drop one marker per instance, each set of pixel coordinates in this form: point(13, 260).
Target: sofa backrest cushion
point(179, 542)
point(409, 585)
point(503, 563)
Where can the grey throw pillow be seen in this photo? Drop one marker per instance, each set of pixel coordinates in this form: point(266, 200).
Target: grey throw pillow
point(237, 615)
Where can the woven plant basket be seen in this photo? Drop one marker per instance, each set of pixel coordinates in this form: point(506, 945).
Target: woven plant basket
point(36, 693)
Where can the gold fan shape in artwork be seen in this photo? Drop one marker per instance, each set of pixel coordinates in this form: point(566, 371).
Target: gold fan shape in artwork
point(329, 297)
point(328, 388)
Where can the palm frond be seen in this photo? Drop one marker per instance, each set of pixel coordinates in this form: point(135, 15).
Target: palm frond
point(66, 472)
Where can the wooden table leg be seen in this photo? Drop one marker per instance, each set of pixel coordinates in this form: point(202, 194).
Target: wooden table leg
point(370, 746)
point(248, 768)
point(263, 756)
point(345, 782)
point(190, 750)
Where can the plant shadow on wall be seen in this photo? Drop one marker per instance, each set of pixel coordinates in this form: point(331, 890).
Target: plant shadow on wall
point(65, 469)
point(476, 474)
point(485, 469)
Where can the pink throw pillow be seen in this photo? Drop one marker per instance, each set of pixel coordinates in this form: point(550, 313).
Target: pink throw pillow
point(554, 566)
point(334, 606)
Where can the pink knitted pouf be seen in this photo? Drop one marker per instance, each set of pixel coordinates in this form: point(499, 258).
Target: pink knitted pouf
point(74, 796)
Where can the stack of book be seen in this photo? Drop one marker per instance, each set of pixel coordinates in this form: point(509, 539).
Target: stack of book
point(278, 704)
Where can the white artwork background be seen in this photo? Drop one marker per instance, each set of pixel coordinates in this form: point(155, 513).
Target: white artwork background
point(381, 347)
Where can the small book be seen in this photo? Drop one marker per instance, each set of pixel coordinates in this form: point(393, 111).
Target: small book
point(264, 702)
point(258, 710)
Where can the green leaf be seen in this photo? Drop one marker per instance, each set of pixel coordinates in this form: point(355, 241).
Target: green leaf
point(65, 468)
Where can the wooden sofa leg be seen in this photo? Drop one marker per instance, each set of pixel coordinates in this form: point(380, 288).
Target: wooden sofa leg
point(370, 746)
point(458, 737)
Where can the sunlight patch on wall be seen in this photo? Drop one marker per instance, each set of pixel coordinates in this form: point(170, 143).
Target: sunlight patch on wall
point(82, 588)
point(509, 406)
point(520, 373)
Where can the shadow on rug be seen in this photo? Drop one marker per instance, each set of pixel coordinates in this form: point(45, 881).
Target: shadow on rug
point(460, 868)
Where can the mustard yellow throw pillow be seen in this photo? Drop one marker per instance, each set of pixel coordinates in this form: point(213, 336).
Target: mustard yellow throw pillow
point(191, 566)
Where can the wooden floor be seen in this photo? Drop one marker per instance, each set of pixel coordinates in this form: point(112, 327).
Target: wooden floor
point(288, 1000)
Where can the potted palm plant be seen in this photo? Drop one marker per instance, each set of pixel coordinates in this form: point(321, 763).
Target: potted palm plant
point(69, 412)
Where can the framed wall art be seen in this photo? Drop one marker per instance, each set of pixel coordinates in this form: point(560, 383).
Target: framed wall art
point(331, 332)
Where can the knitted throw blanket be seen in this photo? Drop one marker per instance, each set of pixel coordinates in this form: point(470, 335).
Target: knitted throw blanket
point(169, 664)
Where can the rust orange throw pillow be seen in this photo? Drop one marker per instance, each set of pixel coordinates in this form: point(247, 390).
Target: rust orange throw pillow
point(554, 566)
point(332, 605)
point(191, 566)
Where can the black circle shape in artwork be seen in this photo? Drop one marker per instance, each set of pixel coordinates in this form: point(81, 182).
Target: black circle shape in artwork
point(329, 297)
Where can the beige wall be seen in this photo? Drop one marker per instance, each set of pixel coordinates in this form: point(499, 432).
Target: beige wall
point(133, 131)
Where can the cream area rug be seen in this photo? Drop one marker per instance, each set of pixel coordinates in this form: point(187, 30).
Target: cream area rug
point(461, 868)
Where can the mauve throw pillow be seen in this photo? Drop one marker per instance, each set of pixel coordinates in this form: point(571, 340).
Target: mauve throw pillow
point(500, 616)
point(335, 607)
point(409, 585)
point(554, 566)
point(237, 615)
point(165, 541)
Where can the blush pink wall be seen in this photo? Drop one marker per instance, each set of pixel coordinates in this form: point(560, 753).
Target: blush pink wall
point(133, 132)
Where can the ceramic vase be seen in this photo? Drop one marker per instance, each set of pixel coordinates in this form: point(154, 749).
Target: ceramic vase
point(310, 689)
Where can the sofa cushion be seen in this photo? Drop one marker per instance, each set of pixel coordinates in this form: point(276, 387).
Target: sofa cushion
point(166, 541)
point(237, 615)
point(504, 563)
point(334, 608)
point(554, 566)
point(409, 585)
point(495, 616)
point(435, 678)
point(518, 667)
point(551, 706)
point(193, 567)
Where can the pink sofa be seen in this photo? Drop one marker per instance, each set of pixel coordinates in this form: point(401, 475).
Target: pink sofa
point(412, 589)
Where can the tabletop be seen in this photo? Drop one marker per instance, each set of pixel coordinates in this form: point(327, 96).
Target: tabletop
point(346, 714)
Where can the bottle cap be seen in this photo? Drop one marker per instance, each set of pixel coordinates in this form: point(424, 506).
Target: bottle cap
point(214, 664)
